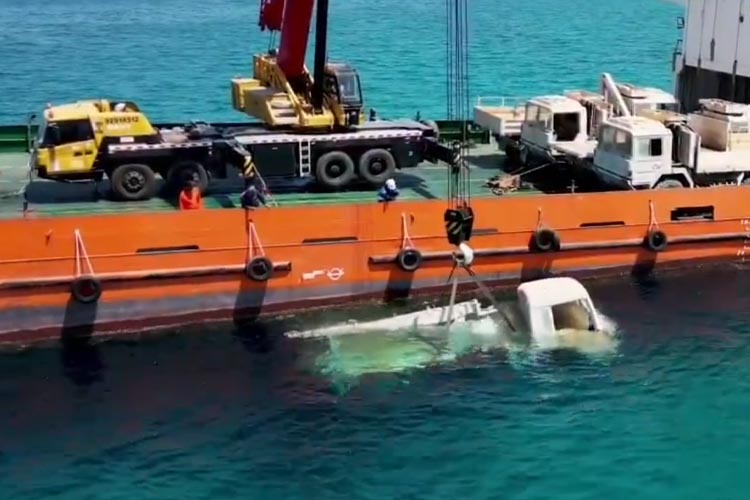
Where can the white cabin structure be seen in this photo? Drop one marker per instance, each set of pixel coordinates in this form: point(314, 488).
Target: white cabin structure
point(712, 59)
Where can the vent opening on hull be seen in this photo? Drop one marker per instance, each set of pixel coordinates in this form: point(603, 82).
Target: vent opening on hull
point(692, 213)
point(328, 241)
point(175, 249)
point(603, 224)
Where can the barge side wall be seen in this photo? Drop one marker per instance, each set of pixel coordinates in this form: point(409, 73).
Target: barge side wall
point(171, 268)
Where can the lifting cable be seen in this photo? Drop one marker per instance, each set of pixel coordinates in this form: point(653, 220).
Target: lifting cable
point(459, 216)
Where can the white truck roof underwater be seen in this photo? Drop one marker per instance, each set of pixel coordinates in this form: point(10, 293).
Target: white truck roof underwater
point(542, 301)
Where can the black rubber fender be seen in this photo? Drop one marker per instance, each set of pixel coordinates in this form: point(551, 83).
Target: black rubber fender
point(545, 240)
point(259, 269)
point(656, 240)
point(86, 290)
point(409, 259)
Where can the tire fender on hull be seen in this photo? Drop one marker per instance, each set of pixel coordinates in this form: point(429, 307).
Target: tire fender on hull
point(409, 259)
point(545, 240)
point(259, 269)
point(656, 240)
point(86, 290)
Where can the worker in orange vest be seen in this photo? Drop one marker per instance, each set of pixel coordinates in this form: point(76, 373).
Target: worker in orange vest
point(190, 198)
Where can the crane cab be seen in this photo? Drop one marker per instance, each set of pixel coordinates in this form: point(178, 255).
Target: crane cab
point(343, 94)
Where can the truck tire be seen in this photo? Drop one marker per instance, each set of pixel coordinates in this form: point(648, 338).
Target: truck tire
point(133, 182)
point(669, 184)
point(334, 169)
point(183, 171)
point(376, 166)
point(513, 154)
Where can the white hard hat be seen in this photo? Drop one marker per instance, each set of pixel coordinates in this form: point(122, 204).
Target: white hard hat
point(390, 184)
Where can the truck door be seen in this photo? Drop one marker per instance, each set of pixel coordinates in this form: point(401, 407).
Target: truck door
point(651, 160)
point(69, 147)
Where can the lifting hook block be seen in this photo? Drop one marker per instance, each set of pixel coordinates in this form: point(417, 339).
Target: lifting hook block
point(458, 224)
point(465, 255)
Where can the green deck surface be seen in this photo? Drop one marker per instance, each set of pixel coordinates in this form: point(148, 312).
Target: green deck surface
point(50, 198)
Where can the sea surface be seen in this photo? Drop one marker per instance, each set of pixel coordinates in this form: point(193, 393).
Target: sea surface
point(176, 57)
point(248, 414)
point(227, 412)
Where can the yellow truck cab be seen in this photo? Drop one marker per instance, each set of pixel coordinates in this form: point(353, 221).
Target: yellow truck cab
point(86, 140)
point(72, 135)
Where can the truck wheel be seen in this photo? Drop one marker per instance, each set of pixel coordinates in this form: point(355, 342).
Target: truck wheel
point(668, 184)
point(133, 182)
point(183, 172)
point(334, 169)
point(376, 166)
point(513, 154)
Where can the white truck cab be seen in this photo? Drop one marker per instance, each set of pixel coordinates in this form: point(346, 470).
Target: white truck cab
point(552, 120)
point(554, 304)
point(633, 151)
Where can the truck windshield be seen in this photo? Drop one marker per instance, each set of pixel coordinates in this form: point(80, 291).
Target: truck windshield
point(66, 132)
point(40, 132)
point(349, 88)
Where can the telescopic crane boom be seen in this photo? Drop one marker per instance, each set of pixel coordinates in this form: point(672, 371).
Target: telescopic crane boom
point(282, 92)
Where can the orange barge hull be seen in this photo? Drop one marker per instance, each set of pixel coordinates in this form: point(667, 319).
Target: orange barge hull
point(167, 269)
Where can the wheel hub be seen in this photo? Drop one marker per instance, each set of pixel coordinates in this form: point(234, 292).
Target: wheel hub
point(377, 167)
point(335, 170)
point(189, 175)
point(134, 181)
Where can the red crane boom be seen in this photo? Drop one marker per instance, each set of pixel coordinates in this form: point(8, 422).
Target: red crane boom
point(292, 18)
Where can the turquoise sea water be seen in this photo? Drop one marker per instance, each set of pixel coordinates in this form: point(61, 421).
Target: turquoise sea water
point(176, 57)
point(242, 414)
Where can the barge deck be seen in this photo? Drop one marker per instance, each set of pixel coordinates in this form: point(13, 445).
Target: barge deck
point(53, 199)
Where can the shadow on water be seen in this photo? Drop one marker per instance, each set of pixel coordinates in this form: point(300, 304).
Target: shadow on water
point(649, 302)
point(81, 360)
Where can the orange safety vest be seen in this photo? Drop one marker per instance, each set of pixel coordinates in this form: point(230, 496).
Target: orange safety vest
point(191, 200)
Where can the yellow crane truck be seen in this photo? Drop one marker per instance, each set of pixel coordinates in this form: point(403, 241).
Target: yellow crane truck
point(87, 140)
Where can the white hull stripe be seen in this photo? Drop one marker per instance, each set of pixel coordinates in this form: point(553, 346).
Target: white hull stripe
point(165, 145)
point(274, 139)
point(349, 136)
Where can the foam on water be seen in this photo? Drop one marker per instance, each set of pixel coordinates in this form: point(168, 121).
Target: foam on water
point(348, 357)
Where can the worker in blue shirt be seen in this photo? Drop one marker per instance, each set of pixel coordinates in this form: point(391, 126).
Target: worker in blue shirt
point(388, 192)
point(253, 196)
